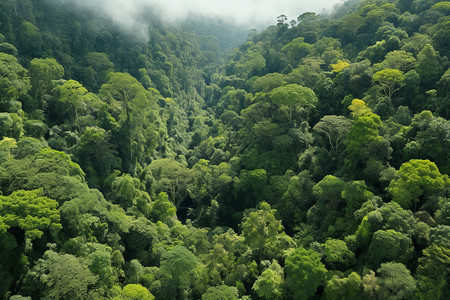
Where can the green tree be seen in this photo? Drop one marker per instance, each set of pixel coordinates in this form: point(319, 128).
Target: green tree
point(43, 73)
point(295, 97)
point(134, 292)
point(416, 180)
point(428, 66)
point(398, 59)
point(432, 273)
point(362, 137)
point(129, 192)
point(390, 81)
point(171, 177)
point(337, 255)
point(264, 233)
point(395, 282)
point(335, 129)
point(60, 276)
point(96, 155)
point(30, 211)
point(180, 265)
point(74, 95)
point(131, 104)
point(269, 285)
point(163, 210)
point(344, 288)
point(221, 292)
point(268, 82)
point(390, 245)
point(304, 272)
point(297, 49)
point(13, 81)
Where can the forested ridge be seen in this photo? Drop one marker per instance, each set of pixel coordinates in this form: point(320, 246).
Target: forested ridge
point(310, 162)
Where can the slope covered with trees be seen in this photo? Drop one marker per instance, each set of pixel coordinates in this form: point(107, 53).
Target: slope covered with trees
point(311, 162)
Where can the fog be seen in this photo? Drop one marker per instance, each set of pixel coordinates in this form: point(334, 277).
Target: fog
point(253, 13)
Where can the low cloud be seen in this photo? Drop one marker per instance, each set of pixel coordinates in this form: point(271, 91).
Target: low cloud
point(252, 13)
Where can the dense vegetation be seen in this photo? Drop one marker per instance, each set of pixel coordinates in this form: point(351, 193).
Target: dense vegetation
point(313, 162)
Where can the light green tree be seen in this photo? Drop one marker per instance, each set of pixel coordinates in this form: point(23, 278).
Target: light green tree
point(304, 273)
point(269, 285)
point(344, 288)
point(133, 292)
point(264, 233)
point(30, 211)
point(390, 81)
point(221, 292)
point(416, 180)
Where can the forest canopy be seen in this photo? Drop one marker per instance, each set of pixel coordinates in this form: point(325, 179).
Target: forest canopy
point(309, 162)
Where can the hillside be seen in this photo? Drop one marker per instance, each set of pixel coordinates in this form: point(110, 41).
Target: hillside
point(311, 161)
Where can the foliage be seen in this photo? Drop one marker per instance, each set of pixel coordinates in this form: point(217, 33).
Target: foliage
point(30, 211)
point(304, 272)
point(172, 161)
point(415, 179)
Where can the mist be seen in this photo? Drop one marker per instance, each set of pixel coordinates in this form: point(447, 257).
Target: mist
point(251, 13)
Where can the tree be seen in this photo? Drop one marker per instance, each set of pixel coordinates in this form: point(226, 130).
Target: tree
point(131, 104)
point(344, 288)
point(390, 245)
point(270, 284)
point(398, 59)
point(295, 97)
point(6, 145)
point(358, 108)
point(264, 233)
point(337, 255)
point(432, 273)
point(297, 49)
point(362, 137)
point(335, 129)
point(130, 192)
point(304, 272)
point(96, 155)
point(428, 67)
point(43, 73)
point(134, 292)
point(60, 276)
point(395, 282)
point(268, 82)
point(24, 215)
point(390, 81)
point(171, 177)
point(339, 66)
point(416, 180)
point(221, 292)
point(180, 266)
point(75, 95)
point(328, 192)
point(30, 211)
point(13, 81)
point(101, 65)
point(163, 210)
